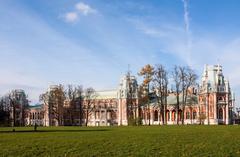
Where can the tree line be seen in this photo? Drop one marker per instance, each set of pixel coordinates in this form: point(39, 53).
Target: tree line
point(156, 80)
point(81, 102)
point(14, 108)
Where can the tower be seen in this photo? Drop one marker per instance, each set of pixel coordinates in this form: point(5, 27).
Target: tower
point(127, 98)
point(215, 98)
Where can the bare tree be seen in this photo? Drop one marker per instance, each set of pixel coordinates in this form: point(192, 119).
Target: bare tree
point(147, 72)
point(89, 103)
point(19, 104)
point(176, 76)
point(14, 108)
point(5, 111)
point(69, 111)
point(74, 97)
point(79, 102)
point(160, 85)
point(143, 99)
point(188, 79)
point(131, 97)
point(183, 89)
point(54, 100)
point(191, 101)
point(201, 118)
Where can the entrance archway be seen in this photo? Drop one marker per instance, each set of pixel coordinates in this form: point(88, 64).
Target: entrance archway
point(180, 115)
point(194, 114)
point(173, 115)
point(220, 112)
point(155, 115)
point(168, 115)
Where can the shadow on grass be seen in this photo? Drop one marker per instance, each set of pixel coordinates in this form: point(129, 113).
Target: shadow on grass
point(54, 130)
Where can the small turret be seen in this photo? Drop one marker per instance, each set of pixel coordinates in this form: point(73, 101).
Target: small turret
point(128, 84)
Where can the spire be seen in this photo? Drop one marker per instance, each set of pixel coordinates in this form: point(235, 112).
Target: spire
point(218, 62)
point(218, 66)
point(129, 71)
point(205, 70)
point(233, 96)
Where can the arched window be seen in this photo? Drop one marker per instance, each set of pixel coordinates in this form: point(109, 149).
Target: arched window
point(141, 113)
point(173, 115)
point(113, 115)
point(97, 115)
point(168, 115)
point(155, 115)
point(180, 115)
point(148, 114)
point(188, 115)
point(194, 115)
point(220, 113)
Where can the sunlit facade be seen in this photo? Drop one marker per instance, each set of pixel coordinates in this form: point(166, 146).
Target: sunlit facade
point(210, 103)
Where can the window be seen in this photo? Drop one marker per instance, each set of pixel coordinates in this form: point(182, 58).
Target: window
point(180, 115)
point(141, 113)
point(188, 115)
point(148, 115)
point(156, 115)
point(168, 115)
point(194, 115)
point(173, 115)
point(220, 113)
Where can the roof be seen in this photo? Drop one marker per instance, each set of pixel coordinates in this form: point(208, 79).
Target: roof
point(172, 99)
point(106, 94)
point(36, 106)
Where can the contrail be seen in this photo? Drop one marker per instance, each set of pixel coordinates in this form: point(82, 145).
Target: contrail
point(187, 29)
point(186, 15)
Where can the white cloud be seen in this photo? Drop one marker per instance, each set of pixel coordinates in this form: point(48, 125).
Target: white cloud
point(85, 9)
point(71, 17)
point(80, 9)
point(153, 32)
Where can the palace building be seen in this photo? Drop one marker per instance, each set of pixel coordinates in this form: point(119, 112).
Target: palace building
point(35, 115)
point(211, 103)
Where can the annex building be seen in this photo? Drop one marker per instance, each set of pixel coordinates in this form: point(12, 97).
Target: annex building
point(211, 103)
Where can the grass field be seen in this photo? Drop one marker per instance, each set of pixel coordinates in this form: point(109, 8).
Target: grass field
point(122, 141)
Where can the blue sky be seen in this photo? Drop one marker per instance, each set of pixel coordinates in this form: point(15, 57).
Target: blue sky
point(91, 42)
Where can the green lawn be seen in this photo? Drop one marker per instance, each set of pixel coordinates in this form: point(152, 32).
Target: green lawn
point(122, 141)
